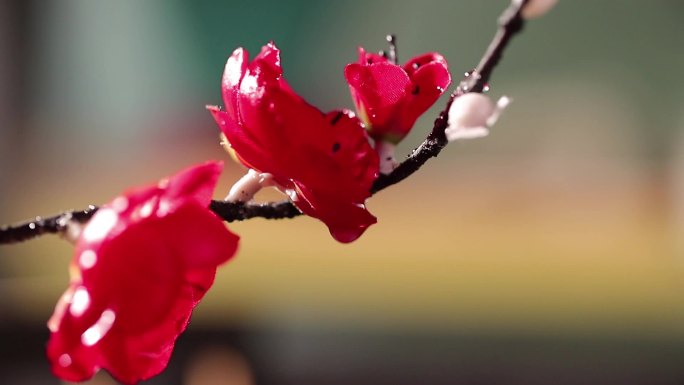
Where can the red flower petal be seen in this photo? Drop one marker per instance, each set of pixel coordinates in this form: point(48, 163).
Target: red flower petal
point(370, 57)
point(141, 265)
point(419, 61)
point(251, 147)
point(196, 183)
point(323, 160)
point(390, 97)
point(377, 90)
point(232, 76)
point(197, 246)
point(429, 82)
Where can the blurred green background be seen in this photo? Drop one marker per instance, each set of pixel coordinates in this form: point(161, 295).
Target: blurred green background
point(550, 252)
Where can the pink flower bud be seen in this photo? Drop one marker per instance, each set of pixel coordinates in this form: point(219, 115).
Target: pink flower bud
point(536, 8)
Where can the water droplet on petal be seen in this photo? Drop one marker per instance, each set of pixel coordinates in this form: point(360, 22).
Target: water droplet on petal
point(79, 302)
point(164, 207)
point(87, 259)
point(64, 360)
point(90, 337)
point(120, 204)
point(292, 194)
point(95, 333)
point(101, 224)
point(249, 86)
point(32, 226)
point(148, 207)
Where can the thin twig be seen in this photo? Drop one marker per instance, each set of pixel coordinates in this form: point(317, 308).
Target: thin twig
point(510, 23)
point(51, 225)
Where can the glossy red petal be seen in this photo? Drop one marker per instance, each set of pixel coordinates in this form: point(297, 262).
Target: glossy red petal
point(389, 97)
point(378, 89)
point(270, 56)
point(141, 265)
point(370, 57)
point(203, 246)
point(71, 360)
point(354, 158)
point(196, 183)
point(298, 136)
point(346, 220)
point(235, 69)
point(140, 260)
point(250, 143)
point(125, 293)
point(325, 160)
point(156, 345)
point(429, 83)
point(421, 60)
point(338, 201)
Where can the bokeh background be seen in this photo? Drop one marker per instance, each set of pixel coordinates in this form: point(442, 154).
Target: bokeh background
point(550, 252)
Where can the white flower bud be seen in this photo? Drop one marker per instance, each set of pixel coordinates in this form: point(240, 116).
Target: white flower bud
point(471, 115)
point(536, 8)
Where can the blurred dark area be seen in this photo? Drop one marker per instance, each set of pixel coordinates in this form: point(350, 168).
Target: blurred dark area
point(342, 357)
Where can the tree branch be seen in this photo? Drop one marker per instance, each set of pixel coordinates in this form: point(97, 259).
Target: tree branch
point(510, 24)
point(51, 225)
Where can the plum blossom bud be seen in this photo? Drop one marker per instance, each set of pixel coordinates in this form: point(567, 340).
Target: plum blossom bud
point(536, 8)
point(471, 115)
